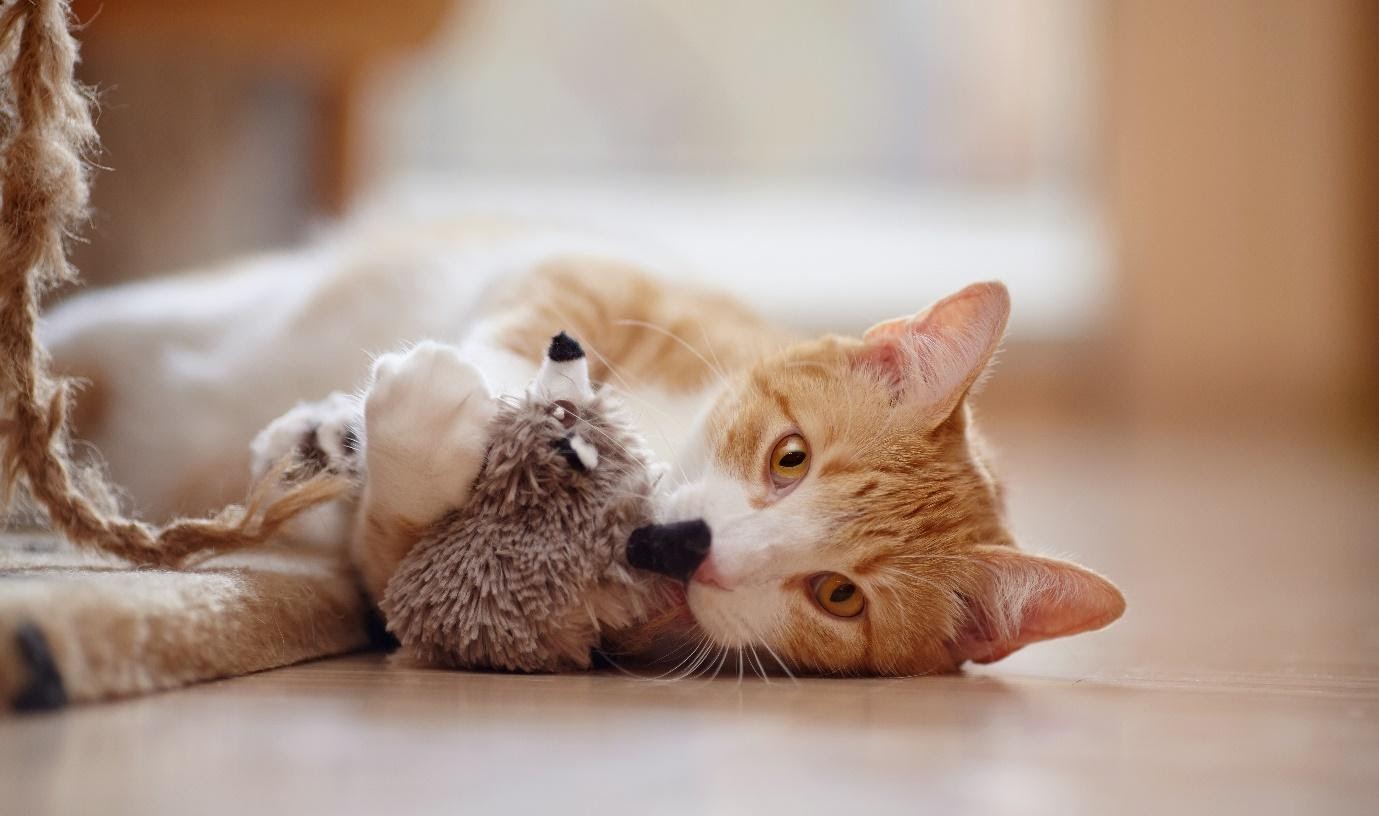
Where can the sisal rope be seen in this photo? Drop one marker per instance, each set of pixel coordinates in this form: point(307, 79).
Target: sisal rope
point(45, 135)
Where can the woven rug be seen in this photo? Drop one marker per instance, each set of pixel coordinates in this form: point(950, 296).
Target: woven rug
point(78, 627)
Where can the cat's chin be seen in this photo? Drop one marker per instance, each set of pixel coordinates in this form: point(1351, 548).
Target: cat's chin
point(669, 623)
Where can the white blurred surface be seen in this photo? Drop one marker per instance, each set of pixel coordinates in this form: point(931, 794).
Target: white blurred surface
point(985, 92)
point(822, 257)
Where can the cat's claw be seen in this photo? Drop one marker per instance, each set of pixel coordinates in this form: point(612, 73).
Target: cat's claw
point(321, 435)
point(426, 418)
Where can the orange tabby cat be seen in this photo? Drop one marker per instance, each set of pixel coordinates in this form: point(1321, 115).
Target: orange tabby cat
point(856, 527)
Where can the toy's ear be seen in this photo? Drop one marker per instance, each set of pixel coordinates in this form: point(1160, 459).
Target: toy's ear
point(934, 357)
point(564, 374)
point(1025, 598)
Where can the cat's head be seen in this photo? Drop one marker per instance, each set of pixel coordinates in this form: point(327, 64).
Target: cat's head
point(856, 527)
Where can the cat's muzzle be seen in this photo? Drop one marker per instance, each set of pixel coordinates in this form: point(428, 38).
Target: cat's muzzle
point(673, 550)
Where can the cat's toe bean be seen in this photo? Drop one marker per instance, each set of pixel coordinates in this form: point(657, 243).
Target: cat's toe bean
point(423, 389)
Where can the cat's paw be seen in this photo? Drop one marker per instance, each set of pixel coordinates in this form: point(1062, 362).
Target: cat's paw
point(426, 418)
point(319, 436)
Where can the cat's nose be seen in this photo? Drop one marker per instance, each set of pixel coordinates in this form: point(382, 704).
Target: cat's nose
point(674, 550)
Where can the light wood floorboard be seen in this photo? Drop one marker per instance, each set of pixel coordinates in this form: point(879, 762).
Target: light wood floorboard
point(1244, 678)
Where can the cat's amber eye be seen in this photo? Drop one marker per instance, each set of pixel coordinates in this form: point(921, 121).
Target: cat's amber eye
point(789, 459)
point(837, 595)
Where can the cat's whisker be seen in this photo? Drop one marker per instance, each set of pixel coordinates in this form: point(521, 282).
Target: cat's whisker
point(779, 662)
point(704, 657)
point(686, 644)
point(759, 667)
point(723, 658)
point(615, 664)
point(624, 392)
point(628, 494)
point(764, 640)
point(678, 672)
point(611, 440)
point(693, 651)
point(655, 426)
point(693, 661)
point(708, 664)
point(722, 376)
point(629, 391)
point(745, 636)
point(708, 344)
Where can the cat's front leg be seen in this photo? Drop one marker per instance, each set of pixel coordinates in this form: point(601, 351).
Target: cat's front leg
point(426, 417)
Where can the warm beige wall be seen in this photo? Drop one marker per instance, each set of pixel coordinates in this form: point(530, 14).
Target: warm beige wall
point(1240, 141)
point(227, 126)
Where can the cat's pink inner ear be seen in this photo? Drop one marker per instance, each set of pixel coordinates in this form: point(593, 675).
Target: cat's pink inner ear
point(1027, 598)
point(934, 357)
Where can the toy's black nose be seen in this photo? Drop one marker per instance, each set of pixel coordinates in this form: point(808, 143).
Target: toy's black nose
point(674, 550)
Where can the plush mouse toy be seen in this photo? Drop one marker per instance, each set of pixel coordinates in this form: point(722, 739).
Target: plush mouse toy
point(531, 572)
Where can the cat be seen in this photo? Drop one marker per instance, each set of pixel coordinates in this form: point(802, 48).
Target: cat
point(857, 527)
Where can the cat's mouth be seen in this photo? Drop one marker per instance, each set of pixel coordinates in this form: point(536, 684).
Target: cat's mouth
point(674, 597)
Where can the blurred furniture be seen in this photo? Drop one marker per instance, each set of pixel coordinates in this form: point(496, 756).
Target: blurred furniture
point(1243, 191)
point(335, 41)
point(229, 126)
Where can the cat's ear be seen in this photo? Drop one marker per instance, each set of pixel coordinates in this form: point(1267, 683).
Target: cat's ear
point(934, 357)
point(1025, 598)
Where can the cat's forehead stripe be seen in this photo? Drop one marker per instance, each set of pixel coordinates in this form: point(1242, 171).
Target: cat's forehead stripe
point(741, 440)
point(843, 465)
point(865, 488)
point(782, 404)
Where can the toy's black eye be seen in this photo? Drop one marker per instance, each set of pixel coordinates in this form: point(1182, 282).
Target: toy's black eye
point(564, 412)
point(579, 454)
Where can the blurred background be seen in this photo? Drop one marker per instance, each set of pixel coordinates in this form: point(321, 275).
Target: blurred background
point(1181, 195)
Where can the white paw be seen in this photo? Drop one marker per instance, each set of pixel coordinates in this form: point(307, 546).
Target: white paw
point(426, 420)
point(321, 434)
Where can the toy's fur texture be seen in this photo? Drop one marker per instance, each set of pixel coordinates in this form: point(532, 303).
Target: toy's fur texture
point(531, 571)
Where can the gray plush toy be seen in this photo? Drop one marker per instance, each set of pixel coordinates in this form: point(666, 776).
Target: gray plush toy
point(532, 571)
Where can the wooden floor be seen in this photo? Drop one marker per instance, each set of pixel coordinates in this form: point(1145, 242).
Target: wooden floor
point(1244, 678)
